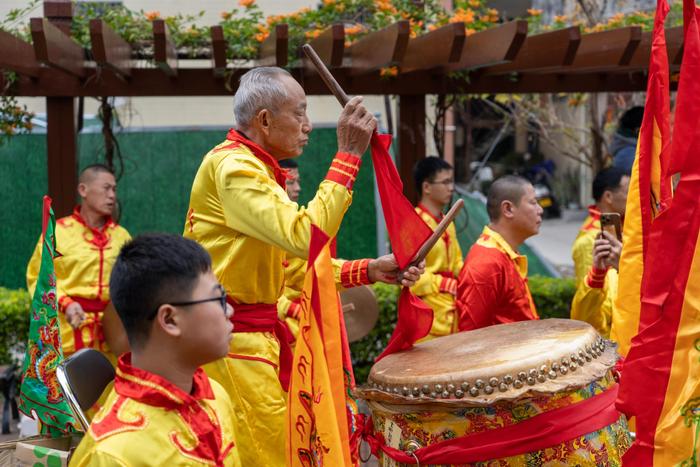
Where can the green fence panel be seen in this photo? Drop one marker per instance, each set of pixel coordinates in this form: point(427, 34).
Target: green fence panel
point(154, 191)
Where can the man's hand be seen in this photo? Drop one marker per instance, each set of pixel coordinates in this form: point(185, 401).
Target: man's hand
point(75, 315)
point(606, 251)
point(386, 269)
point(355, 127)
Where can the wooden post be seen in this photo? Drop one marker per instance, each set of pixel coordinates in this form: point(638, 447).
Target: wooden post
point(61, 131)
point(411, 140)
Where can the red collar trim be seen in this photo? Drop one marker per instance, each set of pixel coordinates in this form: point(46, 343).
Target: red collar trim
point(155, 390)
point(281, 174)
point(423, 208)
point(78, 217)
point(594, 212)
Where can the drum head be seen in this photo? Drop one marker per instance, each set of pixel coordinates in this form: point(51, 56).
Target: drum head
point(497, 362)
point(361, 311)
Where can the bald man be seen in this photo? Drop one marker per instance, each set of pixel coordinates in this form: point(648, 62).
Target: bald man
point(492, 287)
point(89, 241)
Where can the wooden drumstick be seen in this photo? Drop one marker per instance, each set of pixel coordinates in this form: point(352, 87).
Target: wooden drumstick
point(343, 98)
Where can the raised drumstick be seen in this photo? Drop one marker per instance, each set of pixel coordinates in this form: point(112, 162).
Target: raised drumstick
point(343, 98)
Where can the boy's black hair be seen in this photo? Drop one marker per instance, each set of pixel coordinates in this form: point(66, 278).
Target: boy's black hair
point(426, 169)
point(632, 118)
point(507, 188)
point(607, 180)
point(289, 164)
point(151, 270)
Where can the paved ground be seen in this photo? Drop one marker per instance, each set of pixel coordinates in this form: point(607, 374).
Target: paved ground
point(556, 237)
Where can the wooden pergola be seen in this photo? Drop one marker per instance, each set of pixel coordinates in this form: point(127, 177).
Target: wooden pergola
point(504, 59)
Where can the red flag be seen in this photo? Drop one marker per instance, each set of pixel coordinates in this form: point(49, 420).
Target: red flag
point(660, 383)
point(407, 232)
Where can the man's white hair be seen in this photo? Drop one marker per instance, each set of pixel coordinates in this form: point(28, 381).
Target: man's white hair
point(259, 88)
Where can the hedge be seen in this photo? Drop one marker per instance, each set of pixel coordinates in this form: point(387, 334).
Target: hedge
point(552, 298)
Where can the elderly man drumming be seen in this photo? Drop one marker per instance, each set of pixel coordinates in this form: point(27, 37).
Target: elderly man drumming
point(240, 212)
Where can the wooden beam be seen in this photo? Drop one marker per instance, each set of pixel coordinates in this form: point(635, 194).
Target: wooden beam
point(411, 140)
point(606, 50)
point(543, 51)
point(53, 48)
point(386, 47)
point(492, 46)
point(17, 55)
point(218, 51)
point(164, 51)
point(274, 51)
point(61, 14)
point(330, 47)
point(437, 48)
point(109, 50)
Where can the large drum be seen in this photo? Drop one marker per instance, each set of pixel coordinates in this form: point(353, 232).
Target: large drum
point(533, 393)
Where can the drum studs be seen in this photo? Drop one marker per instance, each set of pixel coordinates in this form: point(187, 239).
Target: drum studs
point(396, 390)
point(445, 395)
point(503, 387)
point(406, 391)
point(459, 393)
point(474, 392)
point(522, 376)
point(493, 382)
point(555, 366)
point(573, 366)
point(563, 370)
point(465, 386)
point(581, 354)
point(530, 380)
point(479, 383)
point(380, 387)
point(416, 391)
point(450, 388)
point(508, 379)
point(552, 374)
point(438, 388)
point(517, 384)
point(565, 361)
point(433, 395)
point(426, 389)
point(544, 369)
point(541, 378)
point(533, 373)
point(488, 389)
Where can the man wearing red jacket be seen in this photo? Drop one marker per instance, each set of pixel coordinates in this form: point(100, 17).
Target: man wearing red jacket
point(492, 287)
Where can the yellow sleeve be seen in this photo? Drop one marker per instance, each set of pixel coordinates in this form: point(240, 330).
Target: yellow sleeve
point(596, 305)
point(257, 207)
point(582, 254)
point(95, 458)
point(33, 268)
point(427, 284)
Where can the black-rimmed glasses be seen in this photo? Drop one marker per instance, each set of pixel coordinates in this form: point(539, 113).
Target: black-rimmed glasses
point(221, 299)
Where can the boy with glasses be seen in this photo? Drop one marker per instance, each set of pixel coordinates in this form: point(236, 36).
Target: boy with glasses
point(434, 180)
point(163, 410)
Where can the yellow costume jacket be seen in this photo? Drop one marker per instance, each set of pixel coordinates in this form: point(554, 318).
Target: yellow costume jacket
point(595, 290)
point(240, 212)
point(348, 274)
point(438, 286)
point(82, 272)
point(149, 421)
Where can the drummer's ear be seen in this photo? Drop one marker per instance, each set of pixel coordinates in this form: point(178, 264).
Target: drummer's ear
point(507, 209)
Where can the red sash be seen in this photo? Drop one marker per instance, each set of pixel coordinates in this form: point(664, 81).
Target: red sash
point(262, 317)
point(539, 432)
point(94, 306)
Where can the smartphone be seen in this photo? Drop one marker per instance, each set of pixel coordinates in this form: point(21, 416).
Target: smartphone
point(610, 222)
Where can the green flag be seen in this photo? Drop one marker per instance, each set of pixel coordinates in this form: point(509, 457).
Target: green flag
point(40, 392)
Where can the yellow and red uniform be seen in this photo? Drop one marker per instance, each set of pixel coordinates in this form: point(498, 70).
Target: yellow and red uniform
point(347, 274)
point(147, 420)
point(83, 267)
point(437, 287)
point(492, 286)
point(595, 289)
point(240, 212)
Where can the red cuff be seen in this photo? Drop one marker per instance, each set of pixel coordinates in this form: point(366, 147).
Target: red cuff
point(294, 309)
point(449, 285)
point(355, 273)
point(63, 303)
point(344, 169)
point(596, 278)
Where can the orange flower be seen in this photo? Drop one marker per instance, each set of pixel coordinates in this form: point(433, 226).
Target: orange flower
point(261, 36)
point(389, 72)
point(328, 2)
point(246, 3)
point(475, 3)
point(469, 31)
point(384, 5)
point(152, 15)
point(463, 16)
point(263, 29)
point(226, 15)
point(340, 7)
point(534, 12)
point(560, 19)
